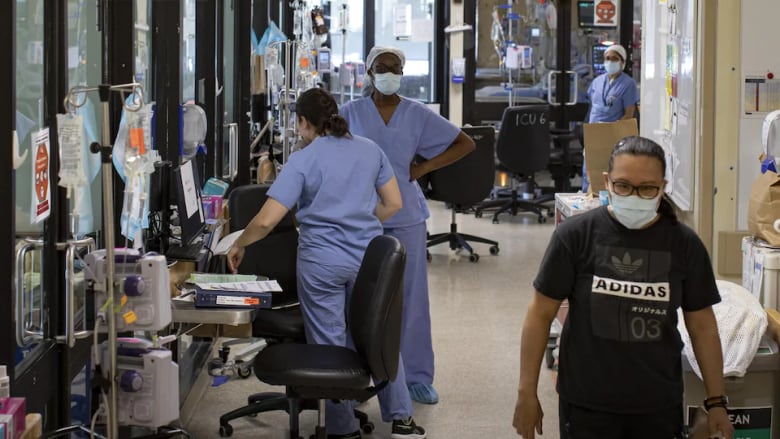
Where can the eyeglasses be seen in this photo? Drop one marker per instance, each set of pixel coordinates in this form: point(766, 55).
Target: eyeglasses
point(381, 68)
point(646, 191)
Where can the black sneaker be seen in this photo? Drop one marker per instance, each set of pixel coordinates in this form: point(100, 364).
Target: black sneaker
point(407, 429)
point(353, 435)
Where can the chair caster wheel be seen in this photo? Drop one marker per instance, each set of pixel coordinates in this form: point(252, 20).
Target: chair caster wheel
point(244, 370)
point(494, 250)
point(215, 367)
point(478, 214)
point(495, 220)
point(550, 213)
point(225, 430)
point(367, 428)
point(541, 219)
point(474, 257)
point(428, 256)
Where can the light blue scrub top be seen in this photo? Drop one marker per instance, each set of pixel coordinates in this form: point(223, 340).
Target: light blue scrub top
point(413, 129)
point(610, 100)
point(334, 182)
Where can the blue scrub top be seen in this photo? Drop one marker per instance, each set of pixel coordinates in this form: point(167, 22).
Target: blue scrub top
point(334, 182)
point(609, 101)
point(414, 129)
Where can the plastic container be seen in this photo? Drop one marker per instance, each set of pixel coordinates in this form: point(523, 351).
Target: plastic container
point(752, 399)
point(5, 383)
point(761, 271)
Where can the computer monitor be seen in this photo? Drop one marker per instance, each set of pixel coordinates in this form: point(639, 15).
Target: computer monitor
point(190, 207)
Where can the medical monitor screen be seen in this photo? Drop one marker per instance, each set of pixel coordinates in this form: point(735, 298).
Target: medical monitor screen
point(189, 205)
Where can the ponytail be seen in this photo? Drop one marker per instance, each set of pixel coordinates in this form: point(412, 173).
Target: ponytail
point(320, 109)
point(336, 125)
point(666, 209)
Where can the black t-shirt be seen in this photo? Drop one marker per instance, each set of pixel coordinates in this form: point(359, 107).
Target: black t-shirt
point(620, 348)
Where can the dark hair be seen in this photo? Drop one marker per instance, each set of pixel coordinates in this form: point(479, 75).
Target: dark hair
point(320, 109)
point(635, 145)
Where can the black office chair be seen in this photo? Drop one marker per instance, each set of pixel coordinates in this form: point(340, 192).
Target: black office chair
point(325, 372)
point(274, 256)
point(462, 185)
point(523, 148)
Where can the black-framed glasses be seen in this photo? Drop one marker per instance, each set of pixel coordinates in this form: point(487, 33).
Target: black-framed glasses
point(381, 68)
point(646, 191)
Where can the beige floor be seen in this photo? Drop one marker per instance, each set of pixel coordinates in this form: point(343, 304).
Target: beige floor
point(477, 312)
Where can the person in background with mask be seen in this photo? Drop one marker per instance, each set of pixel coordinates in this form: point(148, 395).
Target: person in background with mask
point(625, 268)
point(404, 128)
point(613, 95)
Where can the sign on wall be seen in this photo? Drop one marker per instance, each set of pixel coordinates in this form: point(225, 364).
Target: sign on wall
point(606, 13)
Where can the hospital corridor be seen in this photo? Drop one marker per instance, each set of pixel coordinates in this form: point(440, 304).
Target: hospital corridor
point(477, 312)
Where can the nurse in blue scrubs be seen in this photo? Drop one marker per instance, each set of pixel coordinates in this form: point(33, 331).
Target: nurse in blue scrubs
point(344, 188)
point(613, 95)
point(404, 128)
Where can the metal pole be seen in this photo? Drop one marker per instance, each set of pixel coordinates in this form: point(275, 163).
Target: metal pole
point(108, 216)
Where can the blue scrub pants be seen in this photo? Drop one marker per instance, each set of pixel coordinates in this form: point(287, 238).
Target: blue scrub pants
point(324, 292)
point(416, 343)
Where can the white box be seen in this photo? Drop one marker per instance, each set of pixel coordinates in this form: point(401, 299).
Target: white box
point(761, 271)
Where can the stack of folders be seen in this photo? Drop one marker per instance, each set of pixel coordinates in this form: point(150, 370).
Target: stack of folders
point(254, 294)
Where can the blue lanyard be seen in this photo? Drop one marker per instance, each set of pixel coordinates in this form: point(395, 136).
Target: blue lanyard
point(605, 90)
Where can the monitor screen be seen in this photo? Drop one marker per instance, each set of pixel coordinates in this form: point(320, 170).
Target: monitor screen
point(189, 204)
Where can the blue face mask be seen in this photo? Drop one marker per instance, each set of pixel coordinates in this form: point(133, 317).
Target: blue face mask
point(632, 211)
point(387, 83)
point(612, 67)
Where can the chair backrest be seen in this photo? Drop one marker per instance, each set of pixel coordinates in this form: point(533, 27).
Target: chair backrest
point(376, 306)
point(523, 143)
point(470, 179)
point(275, 255)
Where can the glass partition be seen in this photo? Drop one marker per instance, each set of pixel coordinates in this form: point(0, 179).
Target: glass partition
point(409, 26)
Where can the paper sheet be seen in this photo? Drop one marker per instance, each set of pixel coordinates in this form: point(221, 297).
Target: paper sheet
point(261, 286)
point(225, 243)
point(41, 184)
point(190, 192)
point(220, 278)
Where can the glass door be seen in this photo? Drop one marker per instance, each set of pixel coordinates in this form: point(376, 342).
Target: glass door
point(409, 25)
point(229, 151)
point(41, 371)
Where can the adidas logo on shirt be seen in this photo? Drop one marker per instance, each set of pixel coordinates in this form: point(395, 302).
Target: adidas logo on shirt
point(655, 291)
point(626, 266)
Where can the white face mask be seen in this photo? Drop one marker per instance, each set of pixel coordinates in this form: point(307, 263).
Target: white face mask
point(387, 83)
point(632, 211)
point(612, 67)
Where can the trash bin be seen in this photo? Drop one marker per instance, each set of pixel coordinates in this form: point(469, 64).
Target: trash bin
point(753, 398)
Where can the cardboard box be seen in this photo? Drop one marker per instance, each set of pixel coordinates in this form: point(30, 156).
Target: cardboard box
point(34, 423)
point(730, 252)
point(600, 139)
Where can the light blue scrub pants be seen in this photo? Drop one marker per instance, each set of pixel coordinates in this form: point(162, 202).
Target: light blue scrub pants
point(416, 342)
point(324, 292)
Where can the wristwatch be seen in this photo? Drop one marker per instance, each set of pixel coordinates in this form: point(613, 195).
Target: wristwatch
point(716, 401)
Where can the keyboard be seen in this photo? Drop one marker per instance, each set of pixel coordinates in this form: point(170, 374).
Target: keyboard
point(189, 252)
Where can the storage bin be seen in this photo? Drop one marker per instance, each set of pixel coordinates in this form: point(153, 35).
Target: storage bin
point(761, 271)
point(752, 398)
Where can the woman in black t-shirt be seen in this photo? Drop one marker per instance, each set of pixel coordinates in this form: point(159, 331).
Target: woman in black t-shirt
point(625, 270)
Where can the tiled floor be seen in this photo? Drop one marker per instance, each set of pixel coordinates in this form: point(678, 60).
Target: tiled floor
point(477, 312)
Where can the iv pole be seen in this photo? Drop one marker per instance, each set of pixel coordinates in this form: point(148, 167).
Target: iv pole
point(104, 148)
